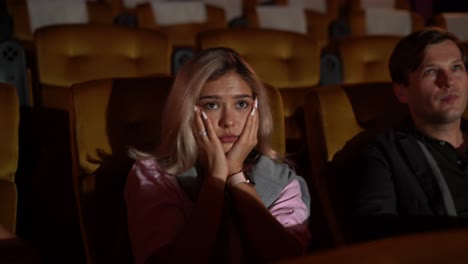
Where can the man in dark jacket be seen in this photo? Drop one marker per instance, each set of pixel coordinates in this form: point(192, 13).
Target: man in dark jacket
point(415, 178)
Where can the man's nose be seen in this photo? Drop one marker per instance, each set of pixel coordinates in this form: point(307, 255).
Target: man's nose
point(445, 79)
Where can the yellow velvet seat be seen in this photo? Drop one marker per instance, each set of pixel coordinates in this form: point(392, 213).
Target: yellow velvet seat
point(98, 13)
point(9, 125)
point(365, 58)
point(277, 140)
point(182, 35)
point(108, 116)
point(68, 54)
point(333, 116)
point(336, 113)
point(288, 61)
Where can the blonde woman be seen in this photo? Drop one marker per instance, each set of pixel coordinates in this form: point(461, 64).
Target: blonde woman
point(215, 192)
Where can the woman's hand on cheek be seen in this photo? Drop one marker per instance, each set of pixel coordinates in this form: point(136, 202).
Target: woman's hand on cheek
point(246, 142)
point(211, 153)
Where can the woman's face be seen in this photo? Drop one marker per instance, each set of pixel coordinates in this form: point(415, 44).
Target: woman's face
point(227, 102)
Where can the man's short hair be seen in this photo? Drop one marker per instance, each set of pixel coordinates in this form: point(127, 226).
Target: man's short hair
point(409, 53)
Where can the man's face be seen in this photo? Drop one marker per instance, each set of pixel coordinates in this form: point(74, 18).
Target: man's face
point(437, 90)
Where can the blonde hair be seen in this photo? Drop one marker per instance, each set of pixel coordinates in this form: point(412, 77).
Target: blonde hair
point(178, 149)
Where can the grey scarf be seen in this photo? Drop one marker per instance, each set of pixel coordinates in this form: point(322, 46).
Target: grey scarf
point(268, 176)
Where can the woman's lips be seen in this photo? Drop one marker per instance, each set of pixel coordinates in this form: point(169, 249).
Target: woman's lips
point(228, 139)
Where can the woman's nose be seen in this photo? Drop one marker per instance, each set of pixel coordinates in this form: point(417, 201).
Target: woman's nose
point(227, 118)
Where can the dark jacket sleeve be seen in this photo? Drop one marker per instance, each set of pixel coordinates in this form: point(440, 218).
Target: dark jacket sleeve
point(389, 189)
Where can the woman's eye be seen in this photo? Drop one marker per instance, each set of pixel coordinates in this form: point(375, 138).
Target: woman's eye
point(242, 104)
point(211, 105)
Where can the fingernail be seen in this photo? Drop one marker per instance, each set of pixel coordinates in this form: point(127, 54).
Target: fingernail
point(195, 108)
point(256, 103)
point(204, 115)
point(253, 112)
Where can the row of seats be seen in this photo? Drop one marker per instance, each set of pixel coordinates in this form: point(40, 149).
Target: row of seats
point(68, 54)
point(108, 115)
point(323, 20)
point(64, 61)
point(292, 62)
point(77, 62)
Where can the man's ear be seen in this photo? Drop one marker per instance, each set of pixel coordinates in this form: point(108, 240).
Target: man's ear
point(401, 92)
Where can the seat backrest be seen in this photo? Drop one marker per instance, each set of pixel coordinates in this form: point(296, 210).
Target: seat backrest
point(287, 60)
point(68, 54)
point(181, 34)
point(108, 116)
point(23, 30)
point(9, 126)
point(365, 58)
point(453, 22)
point(279, 17)
point(382, 21)
point(336, 114)
point(282, 59)
point(277, 141)
point(326, 7)
point(355, 5)
point(232, 8)
point(290, 18)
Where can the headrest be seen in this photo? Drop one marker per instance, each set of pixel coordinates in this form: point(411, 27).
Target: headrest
point(318, 5)
point(375, 105)
point(232, 8)
point(112, 115)
point(9, 115)
point(456, 23)
point(385, 21)
point(133, 3)
point(282, 18)
point(377, 4)
point(50, 12)
point(178, 12)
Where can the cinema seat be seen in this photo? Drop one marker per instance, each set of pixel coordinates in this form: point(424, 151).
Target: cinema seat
point(107, 117)
point(68, 54)
point(9, 151)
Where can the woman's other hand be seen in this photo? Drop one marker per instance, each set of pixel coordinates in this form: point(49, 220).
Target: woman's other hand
point(246, 142)
point(211, 153)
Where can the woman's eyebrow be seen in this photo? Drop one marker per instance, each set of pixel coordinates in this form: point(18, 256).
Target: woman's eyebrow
point(209, 97)
point(237, 96)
